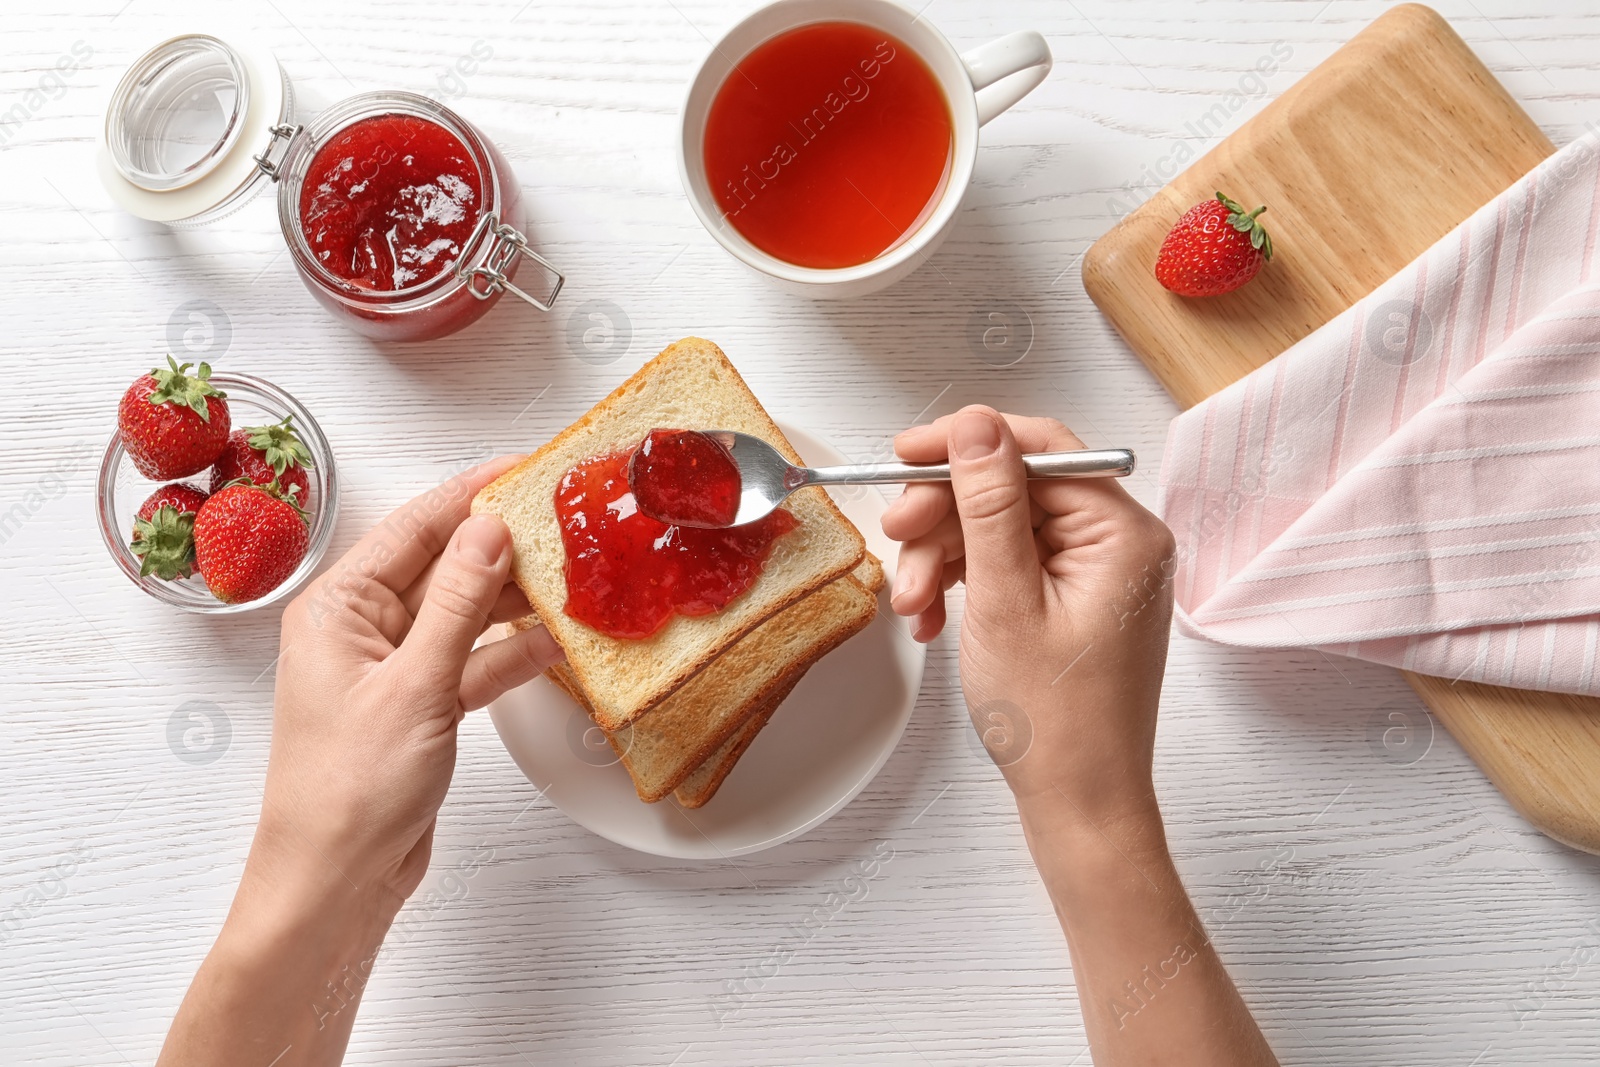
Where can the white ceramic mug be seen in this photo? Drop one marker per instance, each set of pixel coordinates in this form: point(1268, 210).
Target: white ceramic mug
point(978, 85)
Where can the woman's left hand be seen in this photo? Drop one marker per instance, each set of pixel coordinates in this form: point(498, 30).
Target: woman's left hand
point(376, 670)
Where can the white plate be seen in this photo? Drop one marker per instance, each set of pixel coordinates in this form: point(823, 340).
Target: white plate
point(822, 747)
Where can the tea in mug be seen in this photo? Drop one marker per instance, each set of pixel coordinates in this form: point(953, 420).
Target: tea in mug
point(829, 144)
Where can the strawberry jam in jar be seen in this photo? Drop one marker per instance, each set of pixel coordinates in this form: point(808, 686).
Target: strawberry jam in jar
point(389, 202)
point(402, 218)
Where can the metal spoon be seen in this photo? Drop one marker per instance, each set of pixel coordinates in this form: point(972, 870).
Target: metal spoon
point(766, 478)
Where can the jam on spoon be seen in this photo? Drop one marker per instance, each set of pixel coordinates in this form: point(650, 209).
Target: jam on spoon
point(627, 573)
point(685, 478)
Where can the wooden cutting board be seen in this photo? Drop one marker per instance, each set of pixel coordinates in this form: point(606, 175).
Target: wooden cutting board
point(1365, 163)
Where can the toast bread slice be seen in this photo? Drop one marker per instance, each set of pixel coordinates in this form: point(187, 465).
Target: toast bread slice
point(666, 745)
point(707, 778)
point(695, 790)
point(690, 385)
point(702, 785)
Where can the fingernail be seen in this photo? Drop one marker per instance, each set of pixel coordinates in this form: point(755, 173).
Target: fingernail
point(974, 435)
point(482, 540)
point(902, 586)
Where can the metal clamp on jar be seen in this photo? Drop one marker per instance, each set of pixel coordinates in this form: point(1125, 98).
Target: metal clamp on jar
point(198, 126)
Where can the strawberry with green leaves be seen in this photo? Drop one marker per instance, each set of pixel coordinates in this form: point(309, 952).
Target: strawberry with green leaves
point(1213, 249)
point(263, 455)
point(173, 424)
point(163, 531)
point(248, 539)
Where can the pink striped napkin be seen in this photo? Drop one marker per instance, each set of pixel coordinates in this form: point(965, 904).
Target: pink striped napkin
point(1418, 482)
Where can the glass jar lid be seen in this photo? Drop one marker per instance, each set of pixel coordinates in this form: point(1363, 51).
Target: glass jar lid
point(184, 124)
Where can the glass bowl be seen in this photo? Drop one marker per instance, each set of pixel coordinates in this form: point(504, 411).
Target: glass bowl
point(252, 401)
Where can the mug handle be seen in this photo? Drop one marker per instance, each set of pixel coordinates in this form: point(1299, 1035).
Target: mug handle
point(1018, 62)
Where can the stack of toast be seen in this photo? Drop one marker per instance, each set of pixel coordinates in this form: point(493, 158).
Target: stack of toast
point(681, 706)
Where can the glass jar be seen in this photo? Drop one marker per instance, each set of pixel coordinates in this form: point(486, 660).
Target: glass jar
point(450, 298)
point(198, 126)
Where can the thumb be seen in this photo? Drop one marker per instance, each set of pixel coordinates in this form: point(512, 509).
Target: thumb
point(470, 573)
point(991, 491)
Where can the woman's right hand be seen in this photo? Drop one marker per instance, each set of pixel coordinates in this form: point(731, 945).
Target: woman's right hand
point(1064, 640)
point(1062, 652)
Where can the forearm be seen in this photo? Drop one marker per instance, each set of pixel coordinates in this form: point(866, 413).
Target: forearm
point(1149, 981)
point(283, 981)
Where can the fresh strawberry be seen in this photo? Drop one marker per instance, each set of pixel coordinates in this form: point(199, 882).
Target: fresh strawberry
point(163, 531)
point(263, 455)
point(173, 425)
point(1213, 249)
point(247, 540)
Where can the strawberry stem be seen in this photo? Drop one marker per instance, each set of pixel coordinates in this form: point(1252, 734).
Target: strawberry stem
point(279, 445)
point(1246, 222)
point(164, 543)
point(175, 386)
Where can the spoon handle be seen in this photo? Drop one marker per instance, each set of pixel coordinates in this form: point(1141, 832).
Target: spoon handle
point(1085, 463)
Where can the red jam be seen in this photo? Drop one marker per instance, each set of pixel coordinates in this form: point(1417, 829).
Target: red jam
point(628, 574)
point(686, 478)
point(389, 201)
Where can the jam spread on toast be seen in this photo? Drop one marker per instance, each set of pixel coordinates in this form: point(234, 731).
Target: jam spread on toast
point(628, 574)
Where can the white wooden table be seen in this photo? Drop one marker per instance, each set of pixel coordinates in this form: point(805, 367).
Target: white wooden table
point(1379, 905)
